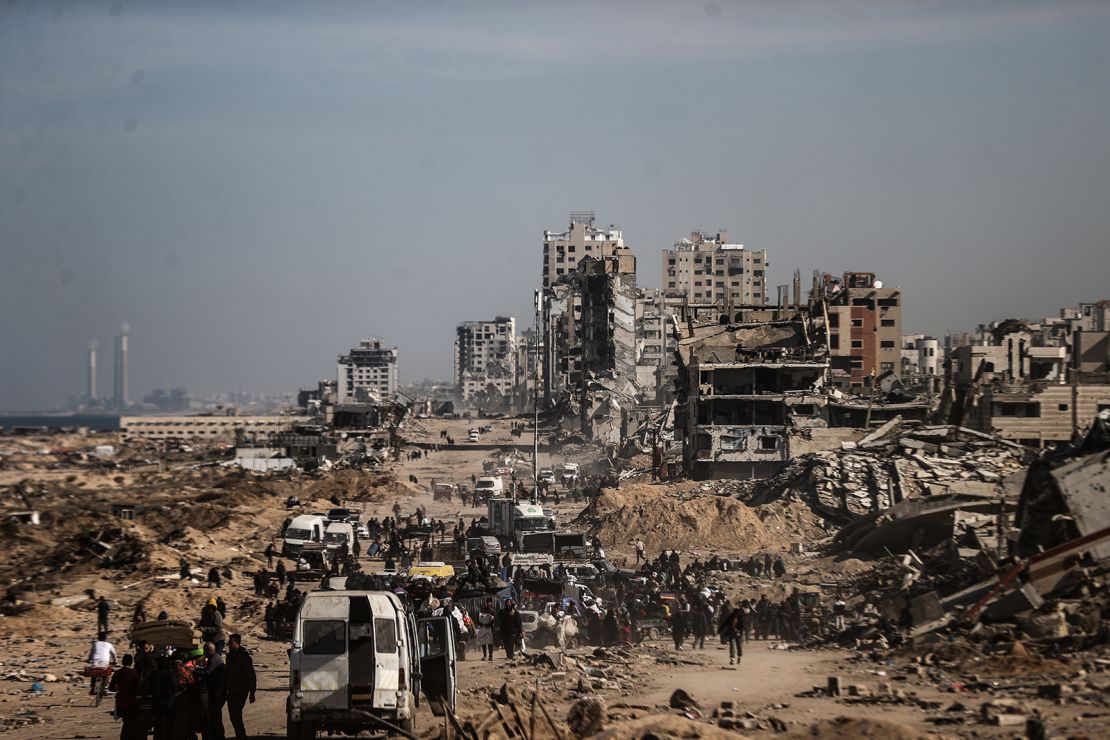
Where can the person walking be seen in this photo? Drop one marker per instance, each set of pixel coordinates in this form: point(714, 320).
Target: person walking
point(212, 625)
point(512, 629)
point(641, 554)
point(679, 623)
point(241, 683)
point(484, 629)
point(215, 683)
point(732, 632)
point(699, 615)
point(125, 684)
point(102, 611)
point(270, 555)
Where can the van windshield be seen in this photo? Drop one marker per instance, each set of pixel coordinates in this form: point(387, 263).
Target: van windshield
point(324, 637)
point(337, 537)
point(297, 534)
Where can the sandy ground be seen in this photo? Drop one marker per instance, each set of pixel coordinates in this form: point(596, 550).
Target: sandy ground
point(767, 683)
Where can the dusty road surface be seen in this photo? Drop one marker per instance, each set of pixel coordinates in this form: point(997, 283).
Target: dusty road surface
point(216, 519)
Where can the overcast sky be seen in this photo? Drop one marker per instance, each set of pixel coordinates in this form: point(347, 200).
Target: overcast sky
point(257, 185)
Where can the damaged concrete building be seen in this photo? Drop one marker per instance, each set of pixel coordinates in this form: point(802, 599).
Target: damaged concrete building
point(746, 390)
point(485, 359)
point(1034, 382)
point(865, 329)
point(589, 319)
point(368, 371)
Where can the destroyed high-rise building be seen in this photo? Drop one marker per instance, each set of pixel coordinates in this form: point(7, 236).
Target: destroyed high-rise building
point(704, 269)
point(367, 373)
point(485, 361)
point(562, 251)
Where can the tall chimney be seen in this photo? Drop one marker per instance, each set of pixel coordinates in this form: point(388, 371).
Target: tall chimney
point(120, 395)
point(91, 390)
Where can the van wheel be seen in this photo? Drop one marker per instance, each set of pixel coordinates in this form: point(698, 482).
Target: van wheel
point(572, 643)
point(409, 725)
point(652, 633)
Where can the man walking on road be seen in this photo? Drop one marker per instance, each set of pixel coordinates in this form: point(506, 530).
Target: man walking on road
point(102, 610)
point(241, 683)
point(512, 629)
point(732, 632)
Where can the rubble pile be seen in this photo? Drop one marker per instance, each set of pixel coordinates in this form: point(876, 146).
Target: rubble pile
point(895, 464)
point(678, 516)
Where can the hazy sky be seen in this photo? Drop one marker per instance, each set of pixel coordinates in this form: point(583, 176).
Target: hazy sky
point(257, 185)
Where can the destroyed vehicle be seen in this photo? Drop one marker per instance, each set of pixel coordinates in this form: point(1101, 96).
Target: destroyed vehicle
point(360, 661)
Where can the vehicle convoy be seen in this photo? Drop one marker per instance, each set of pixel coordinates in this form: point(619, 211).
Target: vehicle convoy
point(303, 530)
point(360, 661)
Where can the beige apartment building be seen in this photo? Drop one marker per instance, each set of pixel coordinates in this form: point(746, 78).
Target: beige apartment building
point(865, 329)
point(562, 251)
point(711, 270)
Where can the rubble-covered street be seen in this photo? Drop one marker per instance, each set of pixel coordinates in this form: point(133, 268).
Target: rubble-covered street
point(919, 631)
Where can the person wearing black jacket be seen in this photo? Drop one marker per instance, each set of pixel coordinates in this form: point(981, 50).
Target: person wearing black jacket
point(512, 629)
point(215, 685)
point(241, 683)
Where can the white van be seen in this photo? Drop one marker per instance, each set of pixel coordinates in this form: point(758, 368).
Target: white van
point(360, 661)
point(338, 533)
point(304, 529)
point(490, 487)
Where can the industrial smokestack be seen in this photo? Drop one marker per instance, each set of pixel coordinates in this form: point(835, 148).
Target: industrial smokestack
point(120, 392)
point(91, 390)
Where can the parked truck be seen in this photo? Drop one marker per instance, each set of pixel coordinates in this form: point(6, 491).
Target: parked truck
point(360, 661)
point(509, 521)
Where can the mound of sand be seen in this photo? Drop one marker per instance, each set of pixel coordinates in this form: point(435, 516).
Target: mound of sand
point(852, 728)
point(677, 516)
point(662, 726)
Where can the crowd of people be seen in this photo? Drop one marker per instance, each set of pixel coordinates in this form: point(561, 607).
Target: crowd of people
point(179, 693)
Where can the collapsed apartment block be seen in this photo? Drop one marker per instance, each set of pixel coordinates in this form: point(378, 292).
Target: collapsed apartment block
point(745, 391)
point(1036, 383)
point(590, 356)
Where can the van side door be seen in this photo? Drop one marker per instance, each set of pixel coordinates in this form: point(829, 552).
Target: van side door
point(436, 638)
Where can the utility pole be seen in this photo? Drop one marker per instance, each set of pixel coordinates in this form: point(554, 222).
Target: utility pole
point(536, 399)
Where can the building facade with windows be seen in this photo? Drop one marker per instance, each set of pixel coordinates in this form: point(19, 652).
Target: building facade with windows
point(704, 269)
point(485, 358)
point(367, 370)
point(562, 251)
point(865, 329)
